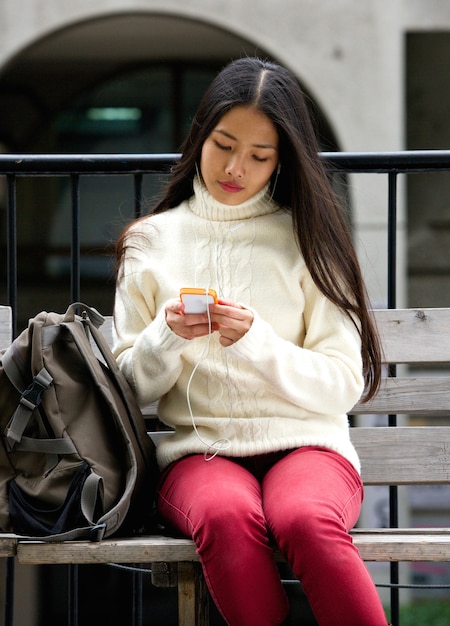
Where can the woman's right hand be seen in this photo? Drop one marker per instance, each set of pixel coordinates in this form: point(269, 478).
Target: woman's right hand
point(187, 326)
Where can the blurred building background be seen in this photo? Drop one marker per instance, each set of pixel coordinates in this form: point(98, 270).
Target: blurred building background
point(125, 76)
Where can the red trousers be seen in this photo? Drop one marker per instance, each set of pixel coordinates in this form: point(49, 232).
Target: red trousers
point(306, 500)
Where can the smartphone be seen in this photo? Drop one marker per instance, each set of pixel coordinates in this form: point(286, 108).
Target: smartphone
point(196, 300)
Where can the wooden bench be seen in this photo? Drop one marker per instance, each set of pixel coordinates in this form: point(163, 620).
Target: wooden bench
point(400, 455)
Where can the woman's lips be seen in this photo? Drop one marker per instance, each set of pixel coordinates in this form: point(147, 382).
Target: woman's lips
point(230, 187)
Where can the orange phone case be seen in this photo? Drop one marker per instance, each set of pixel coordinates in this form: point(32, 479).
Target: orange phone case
point(196, 300)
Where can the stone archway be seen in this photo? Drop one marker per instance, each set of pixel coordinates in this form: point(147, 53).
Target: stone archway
point(44, 77)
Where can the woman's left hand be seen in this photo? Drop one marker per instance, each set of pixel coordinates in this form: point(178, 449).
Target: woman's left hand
point(232, 319)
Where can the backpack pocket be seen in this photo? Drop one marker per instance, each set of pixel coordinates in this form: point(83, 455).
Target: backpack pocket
point(33, 517)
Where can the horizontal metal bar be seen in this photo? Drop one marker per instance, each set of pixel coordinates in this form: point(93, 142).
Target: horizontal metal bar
point(104, 164)
point(96, 164)
point(385, 162)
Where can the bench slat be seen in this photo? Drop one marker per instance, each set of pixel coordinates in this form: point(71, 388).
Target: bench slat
point(378, 545)
point(5, 327)
point(401, 546)
point(414, 335)
point(403, 455)
point(133, 550)
point(8, 545)
point(428, 394)
point(430, 329)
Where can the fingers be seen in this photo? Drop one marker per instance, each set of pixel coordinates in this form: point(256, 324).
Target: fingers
point(187, 326)
point(233, 321)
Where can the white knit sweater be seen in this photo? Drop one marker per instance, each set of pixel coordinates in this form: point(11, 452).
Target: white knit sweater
point(289, 382)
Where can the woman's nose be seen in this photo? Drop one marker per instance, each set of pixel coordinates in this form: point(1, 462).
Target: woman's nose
point(235, 168)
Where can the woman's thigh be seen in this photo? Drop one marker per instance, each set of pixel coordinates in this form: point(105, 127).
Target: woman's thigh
point(312, 481)
point(193, 491)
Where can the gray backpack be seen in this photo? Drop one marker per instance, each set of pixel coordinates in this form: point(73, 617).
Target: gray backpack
point(75, 458)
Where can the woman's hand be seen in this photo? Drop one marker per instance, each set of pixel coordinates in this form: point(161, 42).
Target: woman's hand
point(231, 320)
point(187, 326)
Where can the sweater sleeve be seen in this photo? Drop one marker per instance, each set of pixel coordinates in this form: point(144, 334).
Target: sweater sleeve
point(146, 349)
point(324, 375)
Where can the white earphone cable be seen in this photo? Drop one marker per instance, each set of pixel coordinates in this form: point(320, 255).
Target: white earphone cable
point(222, 443)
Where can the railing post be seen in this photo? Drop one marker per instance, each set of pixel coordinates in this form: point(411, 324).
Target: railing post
point(137, 584)
point(9, 591)
point(138, 195)
point(72, 582)
point(75, 240)
point(392, 302)
point(11, 246)
point(392, 240)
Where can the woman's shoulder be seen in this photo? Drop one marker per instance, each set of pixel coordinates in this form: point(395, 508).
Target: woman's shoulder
point(147, 224)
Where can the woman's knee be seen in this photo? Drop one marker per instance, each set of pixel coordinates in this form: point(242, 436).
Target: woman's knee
point(234, 516)
point(297, 521)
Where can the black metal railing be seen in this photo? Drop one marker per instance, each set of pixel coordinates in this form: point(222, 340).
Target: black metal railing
point(75, 167)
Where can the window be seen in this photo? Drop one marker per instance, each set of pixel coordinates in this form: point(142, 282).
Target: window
point(146, 110)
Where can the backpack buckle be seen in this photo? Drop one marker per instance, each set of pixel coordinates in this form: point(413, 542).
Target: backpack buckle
point(31, 397)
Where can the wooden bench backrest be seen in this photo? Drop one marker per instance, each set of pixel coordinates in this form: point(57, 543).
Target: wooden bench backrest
point(400, 455)
point(5, 327)
point(413, 337)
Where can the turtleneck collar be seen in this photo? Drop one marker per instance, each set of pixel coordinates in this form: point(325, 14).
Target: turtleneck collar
point(204, 205)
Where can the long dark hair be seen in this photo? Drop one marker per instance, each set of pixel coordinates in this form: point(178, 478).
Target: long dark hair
point(303, 186)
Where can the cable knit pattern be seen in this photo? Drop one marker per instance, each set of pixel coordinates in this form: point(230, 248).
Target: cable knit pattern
point(288, 382)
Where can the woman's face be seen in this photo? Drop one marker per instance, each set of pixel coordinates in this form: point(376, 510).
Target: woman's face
point(240, 155)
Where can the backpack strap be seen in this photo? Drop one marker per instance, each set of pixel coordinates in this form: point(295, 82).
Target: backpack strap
point(91, 492)
point(29, 401)
point(16, 373)
point(85, 311)
point(90, 533)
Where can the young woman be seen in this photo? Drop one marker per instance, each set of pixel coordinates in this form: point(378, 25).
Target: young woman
point(257, 387)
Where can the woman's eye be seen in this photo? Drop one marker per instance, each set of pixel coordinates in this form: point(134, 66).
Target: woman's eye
point(221, 146)
point(227, 148)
